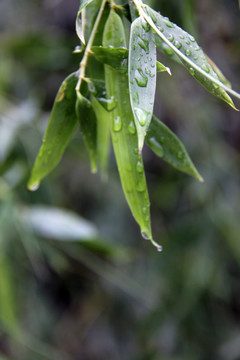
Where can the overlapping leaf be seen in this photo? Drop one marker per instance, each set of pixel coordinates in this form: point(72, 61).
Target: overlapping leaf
point(88, 126)
point(169, 147)
point(177, 42)
point(61, 124)
point(142, 76)
point(103, 133)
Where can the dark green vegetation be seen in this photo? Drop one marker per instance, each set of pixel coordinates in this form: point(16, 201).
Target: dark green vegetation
point(74, 290)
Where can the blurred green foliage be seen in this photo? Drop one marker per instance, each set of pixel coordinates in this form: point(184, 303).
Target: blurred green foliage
point(110, 295)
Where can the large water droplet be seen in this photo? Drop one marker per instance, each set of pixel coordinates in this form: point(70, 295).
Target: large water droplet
point(139, 167)
point(108, 104)
point(140, 78)
point(144, 44)
point(192, 38)
point(132, 128)
point(177, 44)
point(117, 124)
point(159, 248)
point(169, 24)
point(187, 52)
point(34, 187)
point(141, 186)
point(142, 115)
point(156, 147)
point(206, 68)
point(168, 51)
point(145, 235)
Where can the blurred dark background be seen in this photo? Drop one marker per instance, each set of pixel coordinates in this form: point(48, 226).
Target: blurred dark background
point(64, 295)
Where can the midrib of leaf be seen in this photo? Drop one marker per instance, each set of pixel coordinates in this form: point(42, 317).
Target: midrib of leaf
point(143, 14)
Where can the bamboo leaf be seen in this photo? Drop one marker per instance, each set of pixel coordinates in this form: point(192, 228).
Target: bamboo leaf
point(165, 144)
point(130, 165)
point(142, 76)
point(88, 126)
point(103, 133)
point(177, 42)
point(61, 124)
point(117, 58)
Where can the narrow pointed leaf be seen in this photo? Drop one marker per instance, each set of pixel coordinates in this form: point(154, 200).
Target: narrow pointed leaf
point(88, 126)
point(124, 135)
point(165, 144)
point(117, 58)
point(61, 124)
point(79, 26)
point(83, 4)
point(103, 133)
point(177, 42)
point(142, 76)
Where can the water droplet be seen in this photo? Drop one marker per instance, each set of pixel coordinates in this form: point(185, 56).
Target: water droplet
point(182, 37)
point(154, 19)
point(132, 128)
point(192, 71)
point(149, 58)
point(144, 210)
point(159, 248)
point(177, 44)
point(142, 115)
point(140, 78)
point(117, 124)
point(161, 28)
point(180, 155)
point(34, 187)
point(195, 57)
point(169, 24)
point(206, 68)
point(145, 235)
point(187, 52)
point(168, 51)
point(192, 38)
point(144, 44)
point(170, 37)
point(139, 167)
point(215, 86)
point(108, 104)
point(146, 26)
point(156, 147)
point(188, 42)
point(136, 98)
point(141, 186)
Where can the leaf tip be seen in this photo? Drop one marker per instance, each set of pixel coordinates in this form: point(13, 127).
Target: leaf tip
point(33, 187)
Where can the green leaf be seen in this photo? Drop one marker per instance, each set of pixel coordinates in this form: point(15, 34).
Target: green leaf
point(88, 126)
point(115, 57)
point(142, 76)
point(103, 133)
point(177, 42)
point(124, 137)
point(58, 224)
point(83, 4)
point(61, 124)
point(165, 144)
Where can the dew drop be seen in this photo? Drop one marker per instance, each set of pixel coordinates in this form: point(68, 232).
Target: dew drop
point(144, 44)
point(146, 26)
point(139, 167)
point(177, 44)
point(141, 186)
point(159, 248)
point(145, 235)
point(34, 187)
point(156, 147)
point(180, 155)
point(142, 115)
point(140, 78)
point(161, 29)
point(132, 128)
point(170, 37)
point(192, 71)
point(188, 42)
point(168, 51)
point(187, 52)
point(192, 38)
point(181, 37)
point(117, 124)
point(206, 68)
point(169, 24)
point(144, 210)
point(136, 98)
